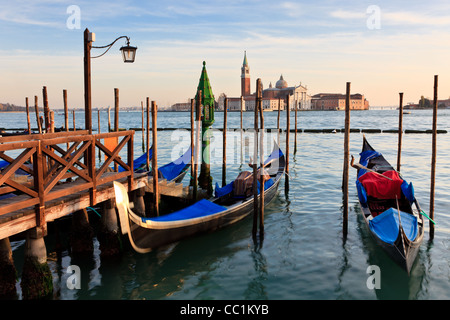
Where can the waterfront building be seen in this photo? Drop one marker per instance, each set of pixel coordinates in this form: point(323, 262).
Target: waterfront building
point(271, 97)
point(336, 101)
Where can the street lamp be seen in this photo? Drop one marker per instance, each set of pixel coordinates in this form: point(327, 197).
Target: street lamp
point(128, 54)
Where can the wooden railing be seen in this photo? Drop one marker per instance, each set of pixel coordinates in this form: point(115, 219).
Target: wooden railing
point(56, 165)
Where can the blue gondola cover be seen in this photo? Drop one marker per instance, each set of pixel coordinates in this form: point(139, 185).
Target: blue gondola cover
point(386, 225)
point(201, 208)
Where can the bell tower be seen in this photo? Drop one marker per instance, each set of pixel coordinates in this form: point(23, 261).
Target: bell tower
point(245, 77)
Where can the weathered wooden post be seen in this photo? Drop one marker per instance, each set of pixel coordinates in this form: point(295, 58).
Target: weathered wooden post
point(36, 109)
point(109, 235)
point(192, 140)
point(278, 121)
point(116, 119)
point(99, 131)
point(433, 156)
point(400, 131)
point(155, 159)
point(346, 160)
point(52, 121)
point(224, 155)
point(255, 159)
point(37, 281)
point(66, 110)
point(148, 133)
point(109, 118)
point(288, 124)
point(28, 115)
point(295, 134)
point(242, 129)
point(143, 128)
point(261, 163)
point(197, 143)
point(81, 234)
point(8, 272)
point(66, 114)
point(46, 110)
point(73, 120)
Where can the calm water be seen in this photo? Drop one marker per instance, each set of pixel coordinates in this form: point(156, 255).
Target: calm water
point(303, 255)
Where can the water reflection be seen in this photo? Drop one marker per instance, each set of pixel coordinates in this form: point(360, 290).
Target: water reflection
point(256, 288)
point(395, 282)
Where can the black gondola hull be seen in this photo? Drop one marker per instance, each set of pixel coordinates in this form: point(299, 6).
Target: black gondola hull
point(403, 251)
point(154, 238)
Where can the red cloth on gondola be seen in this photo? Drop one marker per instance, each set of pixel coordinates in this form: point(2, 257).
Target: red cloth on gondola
point(380, 187)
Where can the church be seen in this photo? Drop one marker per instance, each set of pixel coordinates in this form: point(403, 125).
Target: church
point(272, 97)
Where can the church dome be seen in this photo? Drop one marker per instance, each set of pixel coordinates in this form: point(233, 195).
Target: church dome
point(281, 84)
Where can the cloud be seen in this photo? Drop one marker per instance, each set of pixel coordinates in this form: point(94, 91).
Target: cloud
point(411, 18)
point(345, 14)
point(293, 9)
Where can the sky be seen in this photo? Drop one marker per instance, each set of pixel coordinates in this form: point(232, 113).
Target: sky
point(381, 47)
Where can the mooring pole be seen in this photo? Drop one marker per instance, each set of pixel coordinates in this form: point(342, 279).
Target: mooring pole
point(46, 110)
point(278, 121)
point(224, 155)
point(73, 120)
point(295, 135)
point(99, 130)
point(400, 131)
point(36, 109)
point(255, 161)
point(109, 118)
point(261, 162)
point(143, 128)
point(116, 119)
point(148, 134)
point(242, 108)
point(433, 156)
point(66, 115)
point(155, 159)
point(192, 139)
point(66, 111)
point(288, 123)
point(87, 41)
point(197, 144)
point(28, 115)
point(346, 160)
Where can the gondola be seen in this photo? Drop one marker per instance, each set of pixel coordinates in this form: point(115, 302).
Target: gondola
point(391, 212)
point(225, 208)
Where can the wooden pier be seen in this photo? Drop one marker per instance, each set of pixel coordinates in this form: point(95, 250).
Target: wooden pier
point(60, 176)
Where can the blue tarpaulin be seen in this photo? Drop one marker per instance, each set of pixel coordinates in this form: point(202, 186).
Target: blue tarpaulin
point(172, 170)
point(169, 171)
point(220, 192)
point(201, 208)
point(386, 225)
point(365, 156)
point(139, 162)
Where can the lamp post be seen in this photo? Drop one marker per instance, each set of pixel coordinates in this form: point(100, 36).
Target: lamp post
point(128, 54)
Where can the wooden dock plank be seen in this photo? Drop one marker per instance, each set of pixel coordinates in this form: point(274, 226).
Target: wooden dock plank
point(24, 219)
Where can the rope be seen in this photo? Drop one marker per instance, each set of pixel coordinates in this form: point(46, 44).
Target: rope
point(90, 208)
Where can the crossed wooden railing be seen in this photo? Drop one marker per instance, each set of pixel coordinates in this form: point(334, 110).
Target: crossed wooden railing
point(53, 165)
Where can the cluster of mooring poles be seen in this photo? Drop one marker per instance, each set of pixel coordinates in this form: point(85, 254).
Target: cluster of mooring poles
point(399, 149)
